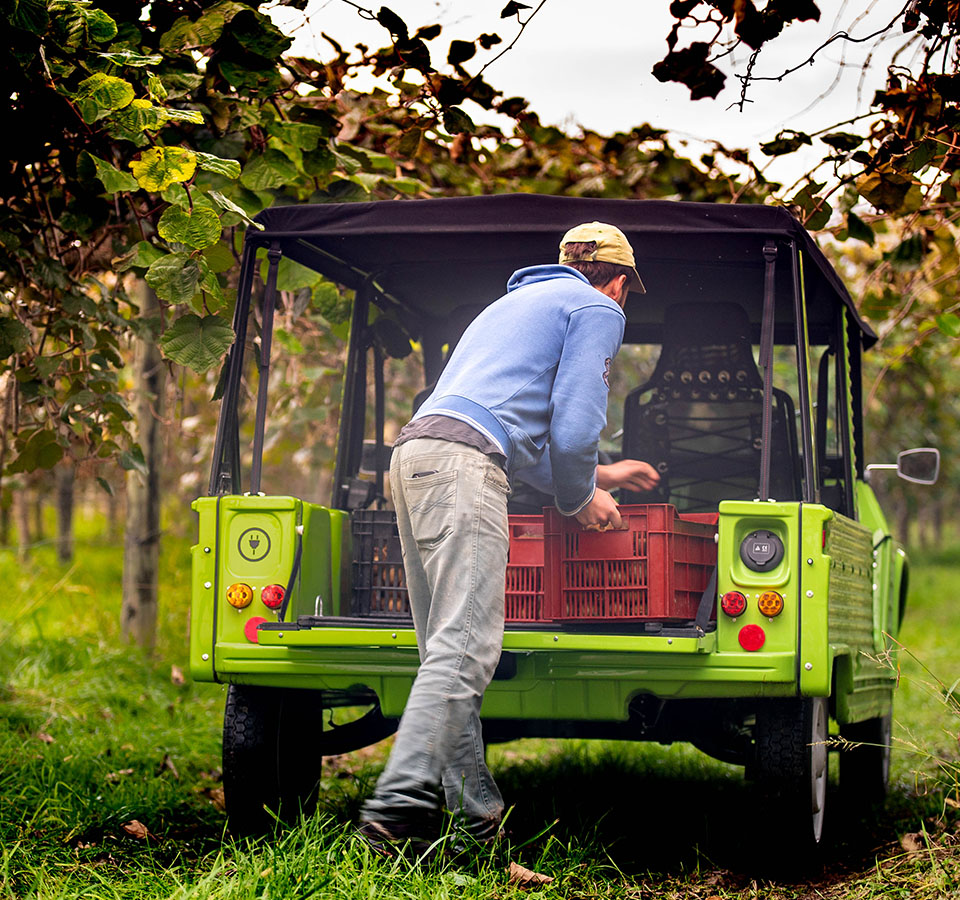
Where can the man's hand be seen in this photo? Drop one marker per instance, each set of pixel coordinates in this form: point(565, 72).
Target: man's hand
point(632, 474)
point(601, 513)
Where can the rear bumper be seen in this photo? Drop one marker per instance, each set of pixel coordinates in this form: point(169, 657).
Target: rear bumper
point(550, 675)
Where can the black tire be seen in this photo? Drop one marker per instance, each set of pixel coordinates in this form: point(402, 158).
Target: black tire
point(272, 754)
point(792, 768)
point(865, 768)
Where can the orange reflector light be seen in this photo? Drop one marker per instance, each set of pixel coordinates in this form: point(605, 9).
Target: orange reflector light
point(272, 596)
point(239, 595)
point(770, 603)
point(733, 603)
point(751, 637)
point(250, 629)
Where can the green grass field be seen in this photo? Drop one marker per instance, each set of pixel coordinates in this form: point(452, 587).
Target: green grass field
point(95, 736)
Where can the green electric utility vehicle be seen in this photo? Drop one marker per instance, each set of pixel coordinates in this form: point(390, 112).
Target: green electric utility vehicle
point(751, 605)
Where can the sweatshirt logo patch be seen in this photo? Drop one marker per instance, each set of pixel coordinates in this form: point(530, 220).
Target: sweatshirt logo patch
point(606, 371)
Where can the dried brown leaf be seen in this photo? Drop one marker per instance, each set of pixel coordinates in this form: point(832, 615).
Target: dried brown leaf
point(177, 676)
point(168, 766)
point(136, 828)
point(46, 738)
point(953, 804)
point(912, 842)
point(116, 776)
point(215, 795)
point(526, 878)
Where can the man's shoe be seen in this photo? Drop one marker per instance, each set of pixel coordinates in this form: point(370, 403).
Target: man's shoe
point(395, 839)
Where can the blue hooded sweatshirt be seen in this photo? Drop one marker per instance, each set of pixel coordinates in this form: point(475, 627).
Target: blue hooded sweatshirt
point(531, 371)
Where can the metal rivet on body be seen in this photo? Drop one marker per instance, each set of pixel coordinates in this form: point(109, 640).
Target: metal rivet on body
point(205, 657)
point(808, 666)
point(207, 585)
point(556, 638)
point(206, 549)
point(809, 560)
point(809, 593)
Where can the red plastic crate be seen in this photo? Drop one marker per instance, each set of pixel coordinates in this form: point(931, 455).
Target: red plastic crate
point(524, 587)
point(379, 582)
point(657, 568)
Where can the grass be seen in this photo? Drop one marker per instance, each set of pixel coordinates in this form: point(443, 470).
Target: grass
point(94, 735)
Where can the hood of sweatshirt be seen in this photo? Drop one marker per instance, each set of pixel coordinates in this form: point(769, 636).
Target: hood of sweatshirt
point(535, 274)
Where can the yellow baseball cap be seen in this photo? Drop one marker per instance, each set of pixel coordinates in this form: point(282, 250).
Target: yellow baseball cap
point(612, 247)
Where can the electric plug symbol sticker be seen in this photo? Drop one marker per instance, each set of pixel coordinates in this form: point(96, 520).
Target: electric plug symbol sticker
point(254, 545)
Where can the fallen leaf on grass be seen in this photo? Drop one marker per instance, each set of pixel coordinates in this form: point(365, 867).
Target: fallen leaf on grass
point(46, 738)
point(136, 828)
point(954, 804)
point(128, 747)
point(527, 878)
point(168, 766)
point(912, 842)
point(177, 676)
point(215, 795)
point(116, 776)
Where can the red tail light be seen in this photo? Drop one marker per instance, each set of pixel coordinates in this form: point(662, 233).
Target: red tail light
point(272, 596)
point(733, 603)
point(752, 637)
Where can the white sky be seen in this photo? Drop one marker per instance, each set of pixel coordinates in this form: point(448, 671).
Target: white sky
point(587, 63)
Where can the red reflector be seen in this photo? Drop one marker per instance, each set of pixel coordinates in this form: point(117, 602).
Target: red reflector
point(733, 603)
point(751, 637)
point(272, 596)
point(250, 629)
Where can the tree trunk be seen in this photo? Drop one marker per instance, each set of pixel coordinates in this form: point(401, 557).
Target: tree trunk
point(142, 539)
point(21, 512)
point(66, 479)
point(4, 522)
point(36, 508)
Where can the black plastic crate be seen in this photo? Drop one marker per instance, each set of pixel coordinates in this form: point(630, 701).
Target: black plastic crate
point(379, 586)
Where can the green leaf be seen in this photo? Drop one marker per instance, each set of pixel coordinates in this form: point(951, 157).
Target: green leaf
point(334, 308)
point(227, 204)
point(185, 34)
point(105, 484)
point(194, 116)
point(289, 342)
point(161, 166)
point(132, 459)
point(460, 52)
point(456, 121)
point(40, 451)
point(786, 141)
point(256, 33)
point(99, 95)
point(229, 168)
point(14, 337)
point(131, 58)
point(100, 26)
point(219, 258)
point(843, 141)
point(949, 324)
point(140, 115)
point(156, 88)
point(887, 191)
point(174, 277)
point(197, 343)
point(197, 228)
point(30, 15)
point(512, 9)
point(113, 179)
point(210, 286)
point(269, 170)
point(859, 229)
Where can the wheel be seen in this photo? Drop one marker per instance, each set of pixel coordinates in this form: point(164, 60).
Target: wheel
point(272, 744)
point(791, 765)
point(865, 768)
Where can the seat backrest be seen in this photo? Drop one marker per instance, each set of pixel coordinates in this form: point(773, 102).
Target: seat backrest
point(698, 419)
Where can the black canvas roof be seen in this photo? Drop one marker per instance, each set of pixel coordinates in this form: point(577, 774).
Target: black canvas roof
point(431, 257)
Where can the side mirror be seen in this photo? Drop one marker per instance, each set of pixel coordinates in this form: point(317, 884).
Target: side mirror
point(920, 465)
